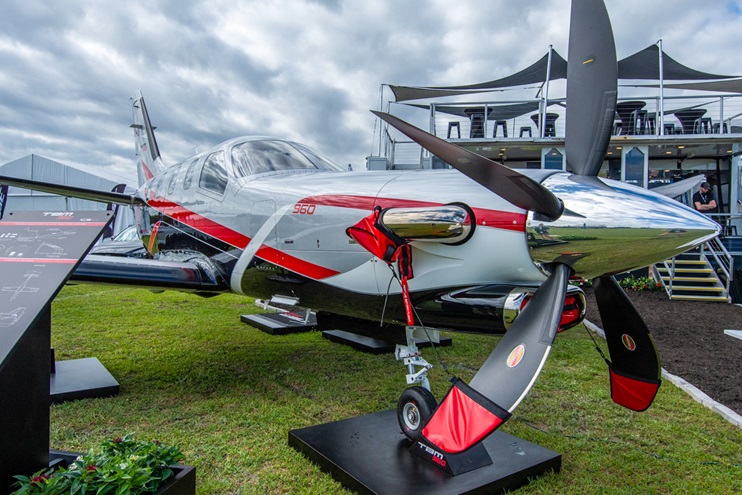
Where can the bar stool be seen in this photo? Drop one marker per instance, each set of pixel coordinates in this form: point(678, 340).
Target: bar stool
point(702, 126)
point(651, 124)
point(668, 129)
point(451, 126)
point(504, 125)
point(638, 122)
point(477, 125)
point(716, 127)
point(524, 129)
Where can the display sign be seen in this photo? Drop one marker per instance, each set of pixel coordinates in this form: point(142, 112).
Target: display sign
point(39, 250)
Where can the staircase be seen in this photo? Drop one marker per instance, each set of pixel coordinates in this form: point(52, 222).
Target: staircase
point(703, 275)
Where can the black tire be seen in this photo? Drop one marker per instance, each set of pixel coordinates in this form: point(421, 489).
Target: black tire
point(414, 408)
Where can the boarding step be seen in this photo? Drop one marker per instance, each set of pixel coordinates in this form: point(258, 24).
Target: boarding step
point(691, 276)
point(695, 288)
point(685, 271)
point(678, 297)
point(700, 280)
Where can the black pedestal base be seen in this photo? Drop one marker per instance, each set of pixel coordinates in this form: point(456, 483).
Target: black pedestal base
point(370, 455)
point(372, 345)
point(280, 323)
point(81, 379)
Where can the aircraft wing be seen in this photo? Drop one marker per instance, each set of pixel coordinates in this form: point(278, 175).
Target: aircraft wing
point(149, 273)
point(72, 191)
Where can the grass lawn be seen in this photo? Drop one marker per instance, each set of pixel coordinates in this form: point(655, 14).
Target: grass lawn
point(194, 376)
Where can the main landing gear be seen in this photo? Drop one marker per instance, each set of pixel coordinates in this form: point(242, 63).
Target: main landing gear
point(416, 405)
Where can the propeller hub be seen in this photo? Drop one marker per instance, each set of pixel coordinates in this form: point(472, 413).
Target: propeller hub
point(611, 227)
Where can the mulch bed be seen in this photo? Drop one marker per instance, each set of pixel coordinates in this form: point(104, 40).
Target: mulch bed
point(691, 341)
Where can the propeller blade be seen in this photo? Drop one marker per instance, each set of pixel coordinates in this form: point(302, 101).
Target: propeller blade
point(501, 379)
point(518, 189)
point(635, 364)
point(469, 413)
point(592, 75)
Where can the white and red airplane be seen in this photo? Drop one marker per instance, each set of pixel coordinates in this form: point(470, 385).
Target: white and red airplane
point(460, 249)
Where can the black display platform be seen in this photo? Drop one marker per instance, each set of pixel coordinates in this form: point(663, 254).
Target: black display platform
point(370, 455)
point(83, 378)
point(372, 345)
point(280, 323)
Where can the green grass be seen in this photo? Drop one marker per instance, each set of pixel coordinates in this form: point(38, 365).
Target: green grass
point(193, 375)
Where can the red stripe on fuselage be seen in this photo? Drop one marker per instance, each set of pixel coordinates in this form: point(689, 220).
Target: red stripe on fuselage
point(55, 224)
point(199, 222)
point(234, 238)
point(488, 218)
point(67, 261)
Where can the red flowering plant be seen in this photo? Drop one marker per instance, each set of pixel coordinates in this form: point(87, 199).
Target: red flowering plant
point(120, 466)
point(640, 283)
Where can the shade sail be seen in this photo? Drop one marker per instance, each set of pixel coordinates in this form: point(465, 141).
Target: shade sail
point(533, 74)
point(645, 64)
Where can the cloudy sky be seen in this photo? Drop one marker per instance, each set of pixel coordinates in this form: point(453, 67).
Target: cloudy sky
point(308, 70)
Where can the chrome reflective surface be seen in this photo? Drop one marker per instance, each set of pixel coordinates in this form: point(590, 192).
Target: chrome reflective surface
point(513, 304)
point(611, 227)
point(440, 223)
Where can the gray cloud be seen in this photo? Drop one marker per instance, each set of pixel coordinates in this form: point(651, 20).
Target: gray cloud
point(306, 70)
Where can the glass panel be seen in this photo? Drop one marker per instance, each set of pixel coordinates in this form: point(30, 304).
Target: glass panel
point(189, 174)
point(257, 157)
point(214, 173)
point(635, 167)
point(553, 160)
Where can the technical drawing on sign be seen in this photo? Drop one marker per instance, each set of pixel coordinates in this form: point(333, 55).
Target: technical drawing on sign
point(51, 233)
point(11, 318)
point(47, 249)
point(23, 288)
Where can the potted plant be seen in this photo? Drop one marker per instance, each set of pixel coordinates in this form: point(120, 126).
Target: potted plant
point(119, 466)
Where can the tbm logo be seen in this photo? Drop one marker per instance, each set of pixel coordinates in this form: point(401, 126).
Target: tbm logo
point(435, 456)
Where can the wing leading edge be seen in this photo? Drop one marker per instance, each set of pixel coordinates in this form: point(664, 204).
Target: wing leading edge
point(73, 191)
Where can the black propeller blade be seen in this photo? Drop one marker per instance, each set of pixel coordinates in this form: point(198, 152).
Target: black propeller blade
point(534, 329)
point(469, 413)
point(592, 75)
point(592, 81)
point(635, 365)
point(507, 183)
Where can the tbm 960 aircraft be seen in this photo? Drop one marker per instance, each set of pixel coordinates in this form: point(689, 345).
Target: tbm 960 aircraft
point(455, 249)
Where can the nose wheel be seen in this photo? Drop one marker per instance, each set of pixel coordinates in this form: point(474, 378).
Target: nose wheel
point(415, 407)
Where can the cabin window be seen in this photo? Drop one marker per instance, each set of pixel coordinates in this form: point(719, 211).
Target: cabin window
point(189, 174)
point(171, 183)
point(214, 174)
point(257, 157)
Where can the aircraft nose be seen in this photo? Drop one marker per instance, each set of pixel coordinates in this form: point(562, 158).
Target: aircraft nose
point(611, 227)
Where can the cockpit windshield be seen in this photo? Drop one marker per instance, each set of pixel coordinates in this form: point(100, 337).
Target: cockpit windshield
point(260, 156)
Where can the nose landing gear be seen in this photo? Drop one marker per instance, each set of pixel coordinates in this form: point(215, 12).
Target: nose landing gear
point(414, 408)
point(417, 404)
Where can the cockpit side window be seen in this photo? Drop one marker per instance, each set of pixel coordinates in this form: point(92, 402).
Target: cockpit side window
point(189, 174)
point(214, 174)
point(257, 157)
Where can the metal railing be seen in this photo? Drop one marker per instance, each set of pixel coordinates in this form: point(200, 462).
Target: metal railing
point(723, 115)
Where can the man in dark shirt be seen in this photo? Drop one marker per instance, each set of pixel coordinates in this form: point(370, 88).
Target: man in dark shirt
point(704, 200)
